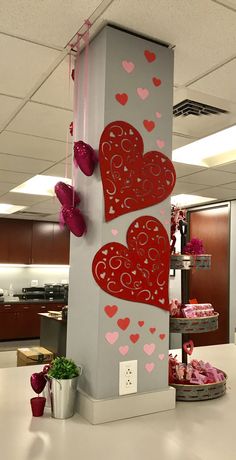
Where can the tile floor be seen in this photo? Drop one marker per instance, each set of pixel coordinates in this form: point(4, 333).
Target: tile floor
point(8, 351)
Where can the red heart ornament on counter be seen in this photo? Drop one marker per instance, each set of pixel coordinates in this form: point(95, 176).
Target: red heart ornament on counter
point(188, 347)
point(131, 180)
point(38, 382)
point(140, 271)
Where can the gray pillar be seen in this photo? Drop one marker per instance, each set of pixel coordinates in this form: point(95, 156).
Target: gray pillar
point(88, 323)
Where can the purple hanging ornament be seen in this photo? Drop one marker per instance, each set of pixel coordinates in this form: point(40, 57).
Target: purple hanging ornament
point(74, 220)
point(66, 194)
point(84, 157)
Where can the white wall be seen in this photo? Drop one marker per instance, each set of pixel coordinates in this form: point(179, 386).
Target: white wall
point(22, 276)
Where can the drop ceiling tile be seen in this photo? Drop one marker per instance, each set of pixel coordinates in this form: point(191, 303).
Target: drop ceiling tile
point(51, 22)
point(209, 177)
point(231, 185)
point(184, 187)
point(51, 206)
point(58, 170)
point(22, 64)
point(58, 88)
point(230, 3)
point(31, 146)
point(22, 164)
point(13, 177)
point(51, 218)
point(21, 199)
point(220, 193)
point(219, 82)
point(228, 167)
point(183, 169)
point(5, 187)
point(8, 105)
point(41, 120)
point(180, 141)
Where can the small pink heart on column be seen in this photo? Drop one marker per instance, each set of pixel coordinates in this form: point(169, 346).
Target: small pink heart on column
point(124, 350)
point(114, 231)
point(128, 66)
point(149, 367)
point(143, 93)
point(111, 337)
point(161, 356)
point(158, 115)
point(149, 348)
point(160, 143)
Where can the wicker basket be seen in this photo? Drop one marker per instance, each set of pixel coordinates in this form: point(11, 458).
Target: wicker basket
point(188, 261)
point(194, 325)
point(200, 392)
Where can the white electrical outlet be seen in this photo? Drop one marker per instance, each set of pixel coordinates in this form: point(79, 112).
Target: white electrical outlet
point(128, 371)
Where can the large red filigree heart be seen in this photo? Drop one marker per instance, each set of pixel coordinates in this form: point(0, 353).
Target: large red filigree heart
point(140, 271)
point(130, 179)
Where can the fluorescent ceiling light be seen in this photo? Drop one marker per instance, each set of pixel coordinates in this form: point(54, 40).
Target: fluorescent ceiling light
point(188, 200)
point(10, 208)
point(216, 149)
point(40, 185)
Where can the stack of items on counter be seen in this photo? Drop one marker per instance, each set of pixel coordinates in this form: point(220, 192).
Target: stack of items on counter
point(194, 373)
point(190, 310)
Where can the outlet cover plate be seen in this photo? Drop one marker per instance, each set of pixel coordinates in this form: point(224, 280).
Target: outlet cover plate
point(128, 375)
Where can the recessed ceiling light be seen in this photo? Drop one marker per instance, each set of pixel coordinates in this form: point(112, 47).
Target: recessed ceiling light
point(40, 185)
point(10, 208)
point(216, 149)
point(188, 200)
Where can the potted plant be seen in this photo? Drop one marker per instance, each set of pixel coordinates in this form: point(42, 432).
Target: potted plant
point(63, 378)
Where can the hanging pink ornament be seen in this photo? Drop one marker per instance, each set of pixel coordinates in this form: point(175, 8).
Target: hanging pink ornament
point(74, 220)
point(73, 74)
point(38, 382)
point(84, 157)
point(66, 194)
point(71, 128)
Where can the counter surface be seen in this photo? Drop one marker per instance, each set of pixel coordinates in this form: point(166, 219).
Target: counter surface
point(193, 431)
point(39, 301)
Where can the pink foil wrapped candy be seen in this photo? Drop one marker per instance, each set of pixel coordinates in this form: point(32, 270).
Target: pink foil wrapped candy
point(74, 220)
point(66, 194)
point(84, 157)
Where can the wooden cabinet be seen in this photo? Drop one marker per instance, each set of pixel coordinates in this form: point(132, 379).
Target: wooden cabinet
point(22, 321)
point(33, 242)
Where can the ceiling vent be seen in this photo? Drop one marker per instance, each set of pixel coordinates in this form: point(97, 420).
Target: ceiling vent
point(189, 107)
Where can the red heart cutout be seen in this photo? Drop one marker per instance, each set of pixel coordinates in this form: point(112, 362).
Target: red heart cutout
point(149, 55)
point(130, 179)
point(110, 310)
point(149, 125)
point(152, 330)
point(134, 337)
point(141, 323)
point(162, 336)
point(188, 347)
point(139, 273)
point(123, 323)
point(122, 98)
point(156, 81)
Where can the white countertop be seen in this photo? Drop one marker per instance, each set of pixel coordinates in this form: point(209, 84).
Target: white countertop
point(193, 431)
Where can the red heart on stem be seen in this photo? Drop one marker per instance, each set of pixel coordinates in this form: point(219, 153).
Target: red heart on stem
point(110, 310)
point(139, 272)
point(122, 98)
point(130, 179)
point(38, 382)
point(188, 347)
point(123, 323)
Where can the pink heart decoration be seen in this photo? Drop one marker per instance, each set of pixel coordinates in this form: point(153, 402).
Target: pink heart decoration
point(143, 93)
point(188, 347)
point(149, 367)
point(161, 356)
point(84, 157)
point(66, 194)
point(160, 143)
point(38, 382)
point(110, 310)
point(128, 66)
point(139, 272)
point(130, 179)
point(111, 337)
point(149, 348)
point(114, 231)
point(158, 115)
point(124, 350)
point(74, 220)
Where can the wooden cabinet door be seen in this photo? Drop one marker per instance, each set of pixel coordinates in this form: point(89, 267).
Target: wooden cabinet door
point(8, 323)
point(4, 240)
point(42, 243)
point(61, 245)
point(28, 321)
point(20, 241)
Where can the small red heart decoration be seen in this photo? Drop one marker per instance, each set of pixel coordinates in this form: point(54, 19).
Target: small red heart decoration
point(149, 55)
point(141, 323)
point(38, 382)
point(131, 180)
point(156, 81)
point(110, 310)
point(140, 271)
point(123, 323)
point(152, 330)
point(162, 336)
point(149, 125)
point(188, 347)
point(134, 337)
point(122, 98)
